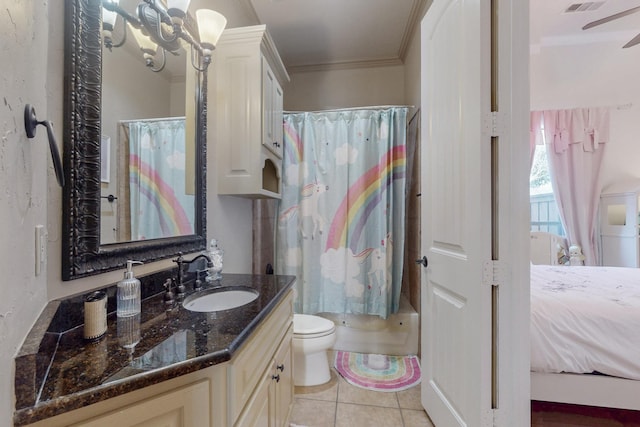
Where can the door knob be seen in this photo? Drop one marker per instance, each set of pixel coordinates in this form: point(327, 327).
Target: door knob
point(423, 261)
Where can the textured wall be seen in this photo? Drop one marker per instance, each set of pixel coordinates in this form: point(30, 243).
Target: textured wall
point(23, 181)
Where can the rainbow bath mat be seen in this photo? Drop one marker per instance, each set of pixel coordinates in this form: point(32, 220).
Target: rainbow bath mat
point(378, 372)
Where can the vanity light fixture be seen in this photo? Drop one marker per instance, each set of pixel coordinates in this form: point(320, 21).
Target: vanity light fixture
point(109, 18)
point(148, 48)
point(166, 28)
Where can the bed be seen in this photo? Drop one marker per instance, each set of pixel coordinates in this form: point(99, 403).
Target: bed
point(585, 335)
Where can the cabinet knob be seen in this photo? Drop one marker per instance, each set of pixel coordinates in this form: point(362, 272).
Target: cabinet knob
point(423, 261)
point(280, 367)
point(276, 377)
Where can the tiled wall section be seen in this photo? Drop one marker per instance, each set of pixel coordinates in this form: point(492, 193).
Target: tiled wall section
point(264, 223)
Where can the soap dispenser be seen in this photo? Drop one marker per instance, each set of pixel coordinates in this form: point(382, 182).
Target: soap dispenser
point(128, 298)
point(215, 254)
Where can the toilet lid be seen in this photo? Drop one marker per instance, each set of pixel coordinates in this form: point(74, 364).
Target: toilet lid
point(306, 324)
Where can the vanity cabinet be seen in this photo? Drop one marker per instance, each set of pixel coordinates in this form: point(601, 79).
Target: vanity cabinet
point(271, 403)
point(260, 378)
point(254, 388)
point(619, 225)
point(248, 75)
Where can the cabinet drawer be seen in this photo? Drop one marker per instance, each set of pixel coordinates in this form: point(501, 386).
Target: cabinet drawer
point(256, 355)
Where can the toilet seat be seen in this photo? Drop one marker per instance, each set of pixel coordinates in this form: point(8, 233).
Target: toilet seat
point(306, 326)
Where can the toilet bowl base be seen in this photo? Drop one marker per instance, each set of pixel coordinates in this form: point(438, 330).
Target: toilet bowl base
point(311, 369)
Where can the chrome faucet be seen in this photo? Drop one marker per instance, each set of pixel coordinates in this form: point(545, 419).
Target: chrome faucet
point(180, 288)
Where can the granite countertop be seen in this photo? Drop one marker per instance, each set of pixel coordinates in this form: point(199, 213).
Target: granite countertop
point(58, 371)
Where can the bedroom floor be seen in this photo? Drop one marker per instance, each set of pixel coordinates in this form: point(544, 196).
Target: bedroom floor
point(547, 414)
point(339, 403)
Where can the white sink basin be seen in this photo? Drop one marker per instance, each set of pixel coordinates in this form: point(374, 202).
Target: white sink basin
point(219, 299)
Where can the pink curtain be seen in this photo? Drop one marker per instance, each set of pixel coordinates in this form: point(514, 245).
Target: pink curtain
point(535, 134)
point(575, 148)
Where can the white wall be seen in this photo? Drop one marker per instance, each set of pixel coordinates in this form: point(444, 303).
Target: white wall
point(595, 75)
point(412, 73)
point(323, 90)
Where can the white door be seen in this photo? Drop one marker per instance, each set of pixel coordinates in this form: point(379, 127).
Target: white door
point(456, 213)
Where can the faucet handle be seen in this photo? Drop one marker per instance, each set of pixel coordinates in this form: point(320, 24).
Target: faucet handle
point(168, 296)
point(197, 285)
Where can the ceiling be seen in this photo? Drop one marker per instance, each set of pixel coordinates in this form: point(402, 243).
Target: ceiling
point(324, 34)
point(552, 25)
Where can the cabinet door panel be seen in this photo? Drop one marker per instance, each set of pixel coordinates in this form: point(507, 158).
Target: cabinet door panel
point(259, 409)
point(284, 387)
point(185, 407)
point(272, 102)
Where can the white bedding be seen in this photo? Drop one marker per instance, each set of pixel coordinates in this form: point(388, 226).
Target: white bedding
point(585, 319)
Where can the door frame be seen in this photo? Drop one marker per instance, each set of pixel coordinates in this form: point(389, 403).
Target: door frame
point(513, 214)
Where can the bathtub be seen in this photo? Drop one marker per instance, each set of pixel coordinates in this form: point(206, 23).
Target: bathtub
point(361, 333)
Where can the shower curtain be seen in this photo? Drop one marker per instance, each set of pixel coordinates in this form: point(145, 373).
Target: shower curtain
point(341, 218)
point(159, 204)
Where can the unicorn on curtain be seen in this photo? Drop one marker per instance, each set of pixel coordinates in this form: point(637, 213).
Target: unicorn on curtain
point(342, 209)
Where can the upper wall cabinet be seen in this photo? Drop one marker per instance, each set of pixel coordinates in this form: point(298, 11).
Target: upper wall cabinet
point(249, 76)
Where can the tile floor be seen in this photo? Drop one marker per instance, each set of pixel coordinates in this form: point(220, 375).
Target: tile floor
point(338, 404)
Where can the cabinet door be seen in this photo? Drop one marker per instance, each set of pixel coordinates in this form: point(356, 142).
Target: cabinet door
point(185, 407)
point(259, 411)
point(284, 384)
point(278, 107)
point(272, 101)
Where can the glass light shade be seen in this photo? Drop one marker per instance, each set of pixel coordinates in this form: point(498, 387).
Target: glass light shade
point(145, 43)
point(109, 18)
point(181, 5)
point(210, 26)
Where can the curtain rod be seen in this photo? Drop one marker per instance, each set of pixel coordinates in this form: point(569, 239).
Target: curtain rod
point(159, 119)
point(371, 107)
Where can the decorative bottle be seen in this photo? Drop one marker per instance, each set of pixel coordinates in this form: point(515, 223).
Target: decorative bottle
point(215, 254)
point(128, 298)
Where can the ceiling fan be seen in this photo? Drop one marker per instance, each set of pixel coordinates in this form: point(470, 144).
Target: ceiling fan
point(634, 41)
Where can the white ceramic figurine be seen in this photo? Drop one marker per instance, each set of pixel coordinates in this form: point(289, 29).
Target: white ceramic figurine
point(575, 255)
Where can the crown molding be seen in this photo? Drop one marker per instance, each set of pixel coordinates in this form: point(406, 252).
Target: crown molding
point(418, 10)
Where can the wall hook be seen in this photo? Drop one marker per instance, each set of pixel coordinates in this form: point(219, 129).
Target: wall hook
point(30, 123)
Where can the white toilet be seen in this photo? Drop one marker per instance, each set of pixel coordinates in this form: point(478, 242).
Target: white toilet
point(312, 337)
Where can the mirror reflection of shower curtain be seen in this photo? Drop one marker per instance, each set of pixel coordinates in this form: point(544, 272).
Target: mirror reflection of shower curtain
point(342, 213)
point(158, 204)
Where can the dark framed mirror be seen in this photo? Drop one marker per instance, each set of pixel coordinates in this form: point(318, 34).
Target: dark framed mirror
point(84, 253)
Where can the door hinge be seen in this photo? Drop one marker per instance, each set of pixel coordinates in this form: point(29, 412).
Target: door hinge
point(493, 124)
point(497, 418)
point(493, 273)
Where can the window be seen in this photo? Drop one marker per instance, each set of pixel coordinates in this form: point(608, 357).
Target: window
point(544, 210)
